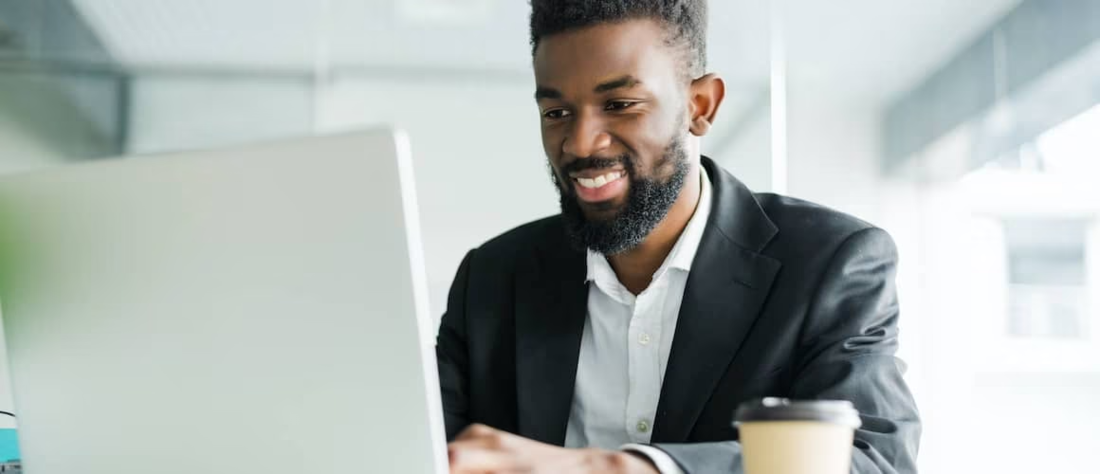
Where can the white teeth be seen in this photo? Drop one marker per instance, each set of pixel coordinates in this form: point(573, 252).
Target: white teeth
point(599, 181)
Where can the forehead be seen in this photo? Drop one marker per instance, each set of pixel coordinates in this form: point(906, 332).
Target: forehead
point(591, 55)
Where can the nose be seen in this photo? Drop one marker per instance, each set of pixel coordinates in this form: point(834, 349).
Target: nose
point(587, 137)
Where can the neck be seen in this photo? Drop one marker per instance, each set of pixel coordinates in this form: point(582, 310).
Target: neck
point(635, 267)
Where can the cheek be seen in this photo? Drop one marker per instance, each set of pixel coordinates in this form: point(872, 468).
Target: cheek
point(652, 130)
point(670, 123)
point(648, 138)
point(551, 142)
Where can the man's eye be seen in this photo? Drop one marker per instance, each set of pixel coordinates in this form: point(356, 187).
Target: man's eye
point(555, 114)
point(619, 105)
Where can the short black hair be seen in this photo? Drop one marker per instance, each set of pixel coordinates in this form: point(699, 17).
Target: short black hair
point(685, 21)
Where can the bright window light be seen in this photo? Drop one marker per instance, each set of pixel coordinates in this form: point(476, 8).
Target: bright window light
point(1073, 146)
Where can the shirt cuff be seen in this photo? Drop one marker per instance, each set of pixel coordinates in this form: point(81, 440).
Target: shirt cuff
point(660, 459)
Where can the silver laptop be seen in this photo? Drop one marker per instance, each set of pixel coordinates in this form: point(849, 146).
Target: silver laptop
point(251, 310)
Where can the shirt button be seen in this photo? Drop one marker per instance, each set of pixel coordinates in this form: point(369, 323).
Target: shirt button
point(643, 426)
point(643, 339)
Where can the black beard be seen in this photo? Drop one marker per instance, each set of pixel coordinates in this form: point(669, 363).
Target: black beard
point(647, 204)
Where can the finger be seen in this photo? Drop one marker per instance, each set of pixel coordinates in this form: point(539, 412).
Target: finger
point(476, 460)
point(481, 436)
point(490, 443)
point(477, 431)
point(480, 443)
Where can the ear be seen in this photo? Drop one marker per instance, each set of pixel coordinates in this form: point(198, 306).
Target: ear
point(704, 98)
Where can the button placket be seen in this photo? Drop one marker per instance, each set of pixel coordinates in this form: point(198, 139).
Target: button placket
point(644, 356)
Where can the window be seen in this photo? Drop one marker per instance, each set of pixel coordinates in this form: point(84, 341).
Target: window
point(1047, 273)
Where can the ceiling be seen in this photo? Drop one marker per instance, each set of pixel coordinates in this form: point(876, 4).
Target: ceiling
point(876, 49)
point(861, 50)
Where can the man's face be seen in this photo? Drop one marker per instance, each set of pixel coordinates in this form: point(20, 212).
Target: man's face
point(614, 121)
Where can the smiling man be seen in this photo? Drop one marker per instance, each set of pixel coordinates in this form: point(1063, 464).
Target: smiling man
point(620, 335)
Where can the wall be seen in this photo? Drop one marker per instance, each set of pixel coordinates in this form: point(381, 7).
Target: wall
point(833, 154)
point(477, 152)
point(741, 143)
point(193, 111)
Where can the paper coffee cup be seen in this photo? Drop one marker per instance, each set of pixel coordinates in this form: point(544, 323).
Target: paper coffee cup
point(780, 436)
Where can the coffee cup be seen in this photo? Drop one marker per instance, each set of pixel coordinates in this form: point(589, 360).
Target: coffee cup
point(781, 436)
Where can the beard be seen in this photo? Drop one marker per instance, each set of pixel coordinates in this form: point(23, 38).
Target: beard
point(647, 203)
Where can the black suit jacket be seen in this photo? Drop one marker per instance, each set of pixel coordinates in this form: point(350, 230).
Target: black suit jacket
point(785, 298)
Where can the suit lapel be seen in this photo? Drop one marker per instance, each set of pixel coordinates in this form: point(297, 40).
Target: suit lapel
point(550, 313)
point(726, 289)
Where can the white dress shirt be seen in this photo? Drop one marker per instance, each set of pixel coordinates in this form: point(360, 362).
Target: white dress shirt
point(625, 348)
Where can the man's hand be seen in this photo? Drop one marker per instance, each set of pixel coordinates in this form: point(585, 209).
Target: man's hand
point(481, 449)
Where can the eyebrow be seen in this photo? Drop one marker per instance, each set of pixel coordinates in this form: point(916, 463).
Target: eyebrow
point(547, 93)
point(625, 82)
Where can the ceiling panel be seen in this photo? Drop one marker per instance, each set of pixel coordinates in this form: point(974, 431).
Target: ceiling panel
point(856, 49)
point(871, 50)
point(275, 34)
point(291, 34)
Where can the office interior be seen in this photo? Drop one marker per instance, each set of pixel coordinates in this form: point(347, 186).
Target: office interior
point(969, 130)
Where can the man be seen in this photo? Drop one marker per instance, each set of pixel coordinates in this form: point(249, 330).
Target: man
point(620, 335)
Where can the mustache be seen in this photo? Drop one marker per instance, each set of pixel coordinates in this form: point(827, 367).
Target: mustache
point(582, 164)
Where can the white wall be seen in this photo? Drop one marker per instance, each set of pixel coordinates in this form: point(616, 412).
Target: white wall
point(741, 143)
point(479, 164)
point(833, 154)
point(190, 112)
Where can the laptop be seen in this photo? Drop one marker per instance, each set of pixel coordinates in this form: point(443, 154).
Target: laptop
point(259, 309)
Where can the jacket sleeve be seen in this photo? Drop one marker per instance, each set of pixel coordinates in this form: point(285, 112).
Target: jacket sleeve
point(452, 355)
point(846, 352)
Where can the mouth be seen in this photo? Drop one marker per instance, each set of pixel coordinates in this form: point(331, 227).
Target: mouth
point(599, 185)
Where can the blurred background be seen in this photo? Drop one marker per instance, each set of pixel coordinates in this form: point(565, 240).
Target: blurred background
point(968, 129)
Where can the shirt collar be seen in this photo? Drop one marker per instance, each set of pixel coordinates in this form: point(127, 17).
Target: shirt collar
point(683, 253)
